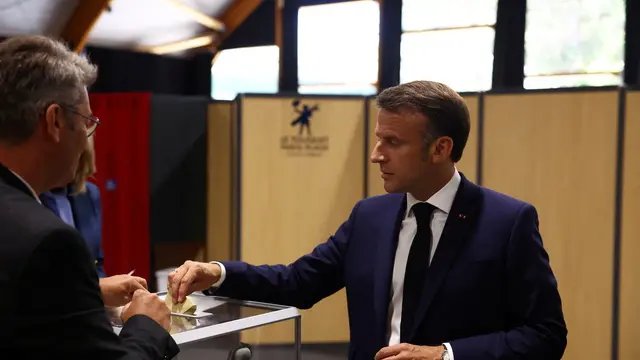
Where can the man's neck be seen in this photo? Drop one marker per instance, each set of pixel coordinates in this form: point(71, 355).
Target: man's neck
point(27, 167)
point(436, 182)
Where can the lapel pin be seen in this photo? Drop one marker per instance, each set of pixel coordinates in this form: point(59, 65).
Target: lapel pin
point(462, 216)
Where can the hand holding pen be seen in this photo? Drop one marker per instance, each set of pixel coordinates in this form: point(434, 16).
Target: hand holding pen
point(118, 290)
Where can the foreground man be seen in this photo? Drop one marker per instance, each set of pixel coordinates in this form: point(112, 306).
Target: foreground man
point(438, 269)
point(49, 294)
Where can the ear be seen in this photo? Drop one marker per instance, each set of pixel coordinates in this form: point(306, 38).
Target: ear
point(442, 148)
point(53, 122)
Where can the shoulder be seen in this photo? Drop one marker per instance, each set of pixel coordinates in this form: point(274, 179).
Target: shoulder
point(500, 208)
point(26, 225)
point(379, 208)
point(93, 190)
point(380, 202)
point(496, 200)
point(93, 195)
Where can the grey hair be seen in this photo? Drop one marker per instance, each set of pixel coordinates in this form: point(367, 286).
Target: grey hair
point(35, 72)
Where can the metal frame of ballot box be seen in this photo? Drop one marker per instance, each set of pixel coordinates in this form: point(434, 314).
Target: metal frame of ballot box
point(278, 313)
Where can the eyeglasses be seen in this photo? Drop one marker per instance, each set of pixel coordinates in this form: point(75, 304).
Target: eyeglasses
point(91, 122)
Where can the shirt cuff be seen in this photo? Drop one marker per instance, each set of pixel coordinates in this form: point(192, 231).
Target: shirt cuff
point(223, 274)
point(449, 350)
point(115, 315)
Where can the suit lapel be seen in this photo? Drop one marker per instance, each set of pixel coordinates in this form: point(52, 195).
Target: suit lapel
point(457, 230)
point(388, 229)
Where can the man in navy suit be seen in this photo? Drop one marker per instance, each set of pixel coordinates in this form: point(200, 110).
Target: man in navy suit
point(439, 268)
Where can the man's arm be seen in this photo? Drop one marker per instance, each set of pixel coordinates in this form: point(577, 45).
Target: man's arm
point(538, 328)
point(72, 303)
point(303, 283)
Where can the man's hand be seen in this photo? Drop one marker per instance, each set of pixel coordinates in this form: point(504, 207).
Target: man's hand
point(410, 352)
point(145, 303)
point(118, 290)
point(192, 276)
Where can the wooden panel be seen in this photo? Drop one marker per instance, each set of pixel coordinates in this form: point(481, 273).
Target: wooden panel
point(219, 186)
point(630, 246)
point(174, 254)
point(467, 165)
point(558, 152)
point(294, 199)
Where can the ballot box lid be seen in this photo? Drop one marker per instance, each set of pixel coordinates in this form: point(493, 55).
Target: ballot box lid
point(218, 316)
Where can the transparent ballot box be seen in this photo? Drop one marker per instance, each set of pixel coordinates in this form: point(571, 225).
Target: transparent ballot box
point(223, 328)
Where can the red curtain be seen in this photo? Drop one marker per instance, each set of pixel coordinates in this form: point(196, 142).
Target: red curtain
point(122, 161)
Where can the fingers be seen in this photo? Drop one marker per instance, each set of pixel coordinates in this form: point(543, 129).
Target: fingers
point(141, 281)
point(136, 284)
point(174, 280)
point(389, 351)
point(186, 283)
point(140, 293)
point(132, 286)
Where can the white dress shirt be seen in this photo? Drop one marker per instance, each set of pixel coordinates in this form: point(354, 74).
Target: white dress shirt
point(442, 201)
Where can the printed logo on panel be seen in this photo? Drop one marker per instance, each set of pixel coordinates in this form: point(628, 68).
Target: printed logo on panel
point(303, 142)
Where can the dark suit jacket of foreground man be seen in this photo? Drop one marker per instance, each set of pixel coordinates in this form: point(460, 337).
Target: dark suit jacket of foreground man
point(490, 291)
point(49, 293)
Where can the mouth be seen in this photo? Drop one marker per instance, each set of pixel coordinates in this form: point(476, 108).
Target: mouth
point(385, 175)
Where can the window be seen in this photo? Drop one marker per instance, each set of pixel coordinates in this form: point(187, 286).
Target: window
point(338, 89)
point(442, 43)
point(338, 47)
point(572, 43)
point(245, 70)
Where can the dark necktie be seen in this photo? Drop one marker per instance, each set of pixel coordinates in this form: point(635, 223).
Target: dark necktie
point(417, 266)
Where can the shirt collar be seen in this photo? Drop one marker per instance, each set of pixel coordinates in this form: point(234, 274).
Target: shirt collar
point(443, 199)
point(27, 185)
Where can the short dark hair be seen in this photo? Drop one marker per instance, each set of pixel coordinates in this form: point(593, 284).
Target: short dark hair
point(445, 109)
point(36, 71)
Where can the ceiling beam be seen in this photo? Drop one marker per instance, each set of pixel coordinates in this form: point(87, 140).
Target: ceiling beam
point(76, 31)
point(182, 45)
point(203, 19)
point(232, 18)
point(236, 14)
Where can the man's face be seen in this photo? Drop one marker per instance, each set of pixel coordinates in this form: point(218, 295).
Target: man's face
point(68, 128)
point(400, 150)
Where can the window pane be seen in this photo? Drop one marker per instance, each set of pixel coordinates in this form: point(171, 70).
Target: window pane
point(245, 70)
point(549, 82)
point(574, 36)
point(339, 89)
point(461, 58)
point(438, 14)
point(338, 43)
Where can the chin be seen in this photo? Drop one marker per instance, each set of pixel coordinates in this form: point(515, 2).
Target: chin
point(390, 188)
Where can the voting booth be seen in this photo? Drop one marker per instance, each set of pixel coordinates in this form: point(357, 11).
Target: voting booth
point(284, 172)
point(216, 329)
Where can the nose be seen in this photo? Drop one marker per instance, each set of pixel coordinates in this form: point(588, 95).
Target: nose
point(376, 155)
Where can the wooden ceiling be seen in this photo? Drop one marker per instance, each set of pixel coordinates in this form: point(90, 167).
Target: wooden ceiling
point(157, 26)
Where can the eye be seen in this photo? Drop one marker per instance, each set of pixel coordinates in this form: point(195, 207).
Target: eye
point(393, 141)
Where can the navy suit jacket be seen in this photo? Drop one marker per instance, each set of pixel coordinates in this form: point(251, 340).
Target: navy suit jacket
point(87, 216)
point(490, 291)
